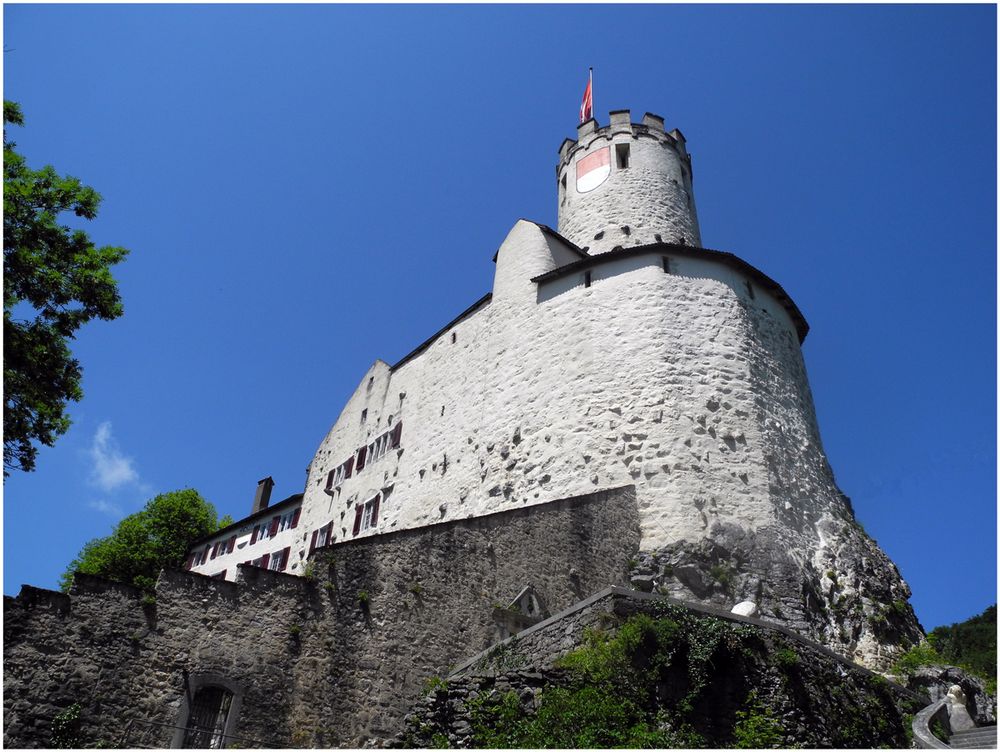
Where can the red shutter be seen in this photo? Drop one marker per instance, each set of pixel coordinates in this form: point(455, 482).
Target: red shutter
point(361, 457)
point(222, 576)
point(359, 510)
point(274, 525)
point(232, 544)
point(397, 432)
point(375, 510)
point(263, 560)
point(329, 534)
point(247, 563)
point(348, 467)
point(312, 543)
point(284, 557)
point(215, 549)
point(295, 517)
point(329, 478)
point(253, 535)
point(204, 557)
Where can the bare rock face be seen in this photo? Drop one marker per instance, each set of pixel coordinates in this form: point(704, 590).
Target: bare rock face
point(937, 681)
point(839, 589)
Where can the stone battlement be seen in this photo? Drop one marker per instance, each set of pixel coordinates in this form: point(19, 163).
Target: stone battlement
point(651, 126)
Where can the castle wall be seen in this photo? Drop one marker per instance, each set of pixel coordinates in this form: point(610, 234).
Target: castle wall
point(314, 662)
point(557, 389)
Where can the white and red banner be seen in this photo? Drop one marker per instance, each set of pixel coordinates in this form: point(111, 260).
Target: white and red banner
point(587, 106)
point(593, 170)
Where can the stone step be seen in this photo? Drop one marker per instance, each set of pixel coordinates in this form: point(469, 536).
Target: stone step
point(980, 738)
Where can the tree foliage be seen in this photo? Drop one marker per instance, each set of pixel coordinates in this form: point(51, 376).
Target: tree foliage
point(143, 543)
point(55, 280)
point(971, 643)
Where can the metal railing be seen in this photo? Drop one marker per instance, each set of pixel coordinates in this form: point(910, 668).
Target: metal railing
point(142, 734)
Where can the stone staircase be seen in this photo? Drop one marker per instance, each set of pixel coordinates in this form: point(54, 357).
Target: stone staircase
point(984, 737)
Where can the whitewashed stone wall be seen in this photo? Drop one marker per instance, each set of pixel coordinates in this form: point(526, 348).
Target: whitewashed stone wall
point(551, 391)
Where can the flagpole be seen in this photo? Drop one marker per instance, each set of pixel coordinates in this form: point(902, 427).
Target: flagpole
point(592, 110)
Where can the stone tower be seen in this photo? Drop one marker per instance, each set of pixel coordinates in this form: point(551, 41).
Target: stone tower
point(627, 184)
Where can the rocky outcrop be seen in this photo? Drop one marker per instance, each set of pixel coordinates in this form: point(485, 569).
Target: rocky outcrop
point(849, 595)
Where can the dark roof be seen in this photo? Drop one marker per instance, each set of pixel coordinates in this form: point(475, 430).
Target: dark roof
point(290, 501)
point(549, 231)
point(731, 260)
point(427, 342)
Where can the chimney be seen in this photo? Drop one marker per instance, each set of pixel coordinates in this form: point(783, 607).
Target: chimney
point(263, 495)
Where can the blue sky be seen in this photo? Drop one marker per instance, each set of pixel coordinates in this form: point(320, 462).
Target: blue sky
point(307, 188)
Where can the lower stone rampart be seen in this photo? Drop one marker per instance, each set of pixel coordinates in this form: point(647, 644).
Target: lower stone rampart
point(332, 659)
point(696, 677)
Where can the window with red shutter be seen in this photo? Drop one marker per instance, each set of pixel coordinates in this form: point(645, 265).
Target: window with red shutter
point(264, 559)
point(329, 478)
point(360, 510)
point(362, 453)
point(312, 543)
point(348, 467)
point(295, 517)
point(397, 433)
point(253, 535)
point(274, 526)
point(284, 558)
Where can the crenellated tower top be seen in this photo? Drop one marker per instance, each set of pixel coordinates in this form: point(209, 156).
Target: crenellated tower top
point(626, 184)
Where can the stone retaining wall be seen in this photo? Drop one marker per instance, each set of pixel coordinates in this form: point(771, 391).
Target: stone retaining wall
point(334, 659)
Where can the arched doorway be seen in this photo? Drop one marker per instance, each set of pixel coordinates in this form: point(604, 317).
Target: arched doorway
point(208, 717)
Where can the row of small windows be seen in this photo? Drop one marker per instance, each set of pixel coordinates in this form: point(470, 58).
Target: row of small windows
point(365, 455)
point(261, 532)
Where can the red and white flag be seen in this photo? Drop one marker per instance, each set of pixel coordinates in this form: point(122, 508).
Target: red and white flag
point(587, 106)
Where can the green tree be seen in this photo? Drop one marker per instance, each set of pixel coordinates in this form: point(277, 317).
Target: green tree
point(971, 643)
point(143, 543)
point(55, 280)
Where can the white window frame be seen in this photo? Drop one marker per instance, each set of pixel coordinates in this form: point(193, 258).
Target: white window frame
point(366, 515)
point(274, 563)
point(378, 448)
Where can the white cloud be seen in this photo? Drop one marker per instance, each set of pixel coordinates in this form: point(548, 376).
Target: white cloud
point(111, 468)
point(112, 510)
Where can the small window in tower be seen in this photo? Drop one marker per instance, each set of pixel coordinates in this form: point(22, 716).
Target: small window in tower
point(666, 265)
point(750, 290)
point(586, 279)
point(621, 154)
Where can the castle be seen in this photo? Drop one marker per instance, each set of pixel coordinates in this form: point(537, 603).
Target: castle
point(616, 351)
point(624, 408)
